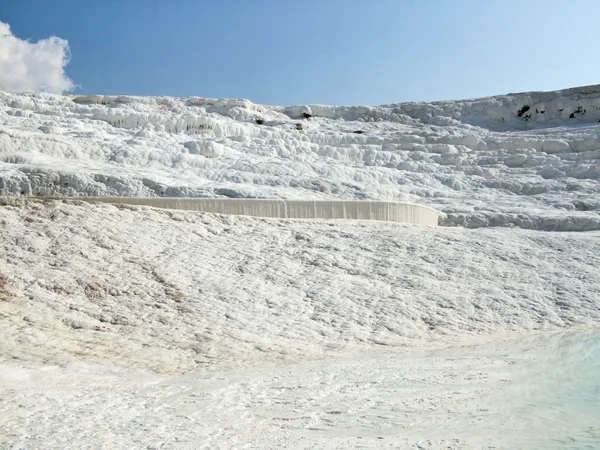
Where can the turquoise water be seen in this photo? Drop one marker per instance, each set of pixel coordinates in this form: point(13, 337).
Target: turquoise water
point(575, 391)
point(560, 397)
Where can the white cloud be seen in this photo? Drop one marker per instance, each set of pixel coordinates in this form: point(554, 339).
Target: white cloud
point(39, 66)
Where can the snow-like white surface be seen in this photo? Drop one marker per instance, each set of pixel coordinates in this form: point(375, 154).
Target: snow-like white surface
point(132, 327)
point(484, 162)
point(179, 291)
point(488, 397)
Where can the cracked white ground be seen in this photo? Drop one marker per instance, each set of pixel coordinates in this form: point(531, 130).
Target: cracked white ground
point(132, 327)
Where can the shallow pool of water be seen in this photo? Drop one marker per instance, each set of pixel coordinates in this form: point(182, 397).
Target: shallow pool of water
point(555, 400)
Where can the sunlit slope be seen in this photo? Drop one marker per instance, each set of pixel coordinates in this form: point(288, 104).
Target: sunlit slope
point(179, 291)
point(528, 160)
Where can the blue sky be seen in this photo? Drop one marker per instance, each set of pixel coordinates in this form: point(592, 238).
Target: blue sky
point(318, 51)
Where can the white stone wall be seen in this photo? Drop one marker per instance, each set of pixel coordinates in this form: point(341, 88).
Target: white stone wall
point(290, 209)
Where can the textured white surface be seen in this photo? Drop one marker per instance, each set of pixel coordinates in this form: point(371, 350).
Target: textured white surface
point(492, 397)
point(128, 327)
point(178, 291)
point(478, 161)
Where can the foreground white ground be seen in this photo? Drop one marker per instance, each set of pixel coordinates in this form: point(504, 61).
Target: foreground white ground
point(535, 393)
point(130, 327)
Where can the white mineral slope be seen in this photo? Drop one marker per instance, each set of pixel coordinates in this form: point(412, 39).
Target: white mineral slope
point(528, 160)
point(132, 327)
point(176, 291)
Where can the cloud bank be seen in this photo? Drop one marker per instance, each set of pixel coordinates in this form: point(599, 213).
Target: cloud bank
point(39, 66)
